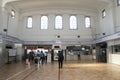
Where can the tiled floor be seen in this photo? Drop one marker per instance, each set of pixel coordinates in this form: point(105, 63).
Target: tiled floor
point(71, 71)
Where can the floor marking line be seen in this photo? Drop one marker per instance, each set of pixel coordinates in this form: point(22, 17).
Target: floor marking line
point(29, 74)
point(17, 73)
point(58, 74)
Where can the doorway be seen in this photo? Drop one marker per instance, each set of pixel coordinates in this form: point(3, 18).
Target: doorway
point(101, 52)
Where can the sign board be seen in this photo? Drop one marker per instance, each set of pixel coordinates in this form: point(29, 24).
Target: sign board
point(12, 52)
point(49, 58)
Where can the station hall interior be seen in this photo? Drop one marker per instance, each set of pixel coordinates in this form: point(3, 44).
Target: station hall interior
point(87, 32)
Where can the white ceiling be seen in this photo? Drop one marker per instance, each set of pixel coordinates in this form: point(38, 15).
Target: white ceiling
point(33, 4)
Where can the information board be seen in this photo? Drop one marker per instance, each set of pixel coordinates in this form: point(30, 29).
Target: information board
point(12, 52)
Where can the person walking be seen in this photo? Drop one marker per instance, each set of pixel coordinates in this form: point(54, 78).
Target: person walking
point(45, 57)
point(79, 56)
point(42, 57)
point(38, 56)
point(31, 56)
point(60, 59)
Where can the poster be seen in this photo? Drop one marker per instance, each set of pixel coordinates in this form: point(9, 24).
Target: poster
point(49, 58)
point(12, 52)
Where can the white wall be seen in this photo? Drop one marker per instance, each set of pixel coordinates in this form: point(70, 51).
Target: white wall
point(106, 24)
point(113, 57)
point(9, 23)
point(1, 53)
point(0, 16)
point(17, 26)
point(116, 16)
point(111, 23)
point(19, 51)
point(35, 34)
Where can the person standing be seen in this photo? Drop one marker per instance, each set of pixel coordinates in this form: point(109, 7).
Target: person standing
point(38, 56)
point(79, 56)
point(31, 56)
point(42, 57)
point(60, 59)
point(45, 55)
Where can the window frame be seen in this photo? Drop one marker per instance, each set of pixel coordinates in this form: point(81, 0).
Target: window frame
point(61, 24)
point(41, 22)
point(118, 2)
point(103, 13)
point(13, 13)
point(28, 22)
point(76, 23)
point(86, 22)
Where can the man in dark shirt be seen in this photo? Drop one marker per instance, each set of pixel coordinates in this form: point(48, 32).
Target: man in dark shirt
point(31, 55)
point(60, 59)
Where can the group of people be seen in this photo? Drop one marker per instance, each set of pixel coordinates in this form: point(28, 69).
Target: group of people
point(38, 57)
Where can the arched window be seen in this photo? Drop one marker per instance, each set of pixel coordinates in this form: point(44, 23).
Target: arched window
point(12, 13)
point(73, 22)
point(44, 22)
point(118, 2)
point(29, 22)
point(103, 13)
point(58, 22)
point(87, 22)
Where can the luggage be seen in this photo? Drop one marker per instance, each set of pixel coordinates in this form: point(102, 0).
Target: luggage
point(27, 61)
point(36, 61)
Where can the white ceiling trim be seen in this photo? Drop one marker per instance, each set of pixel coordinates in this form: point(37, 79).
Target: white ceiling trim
point(107, 38)
point(7, 1)
point(28, 4)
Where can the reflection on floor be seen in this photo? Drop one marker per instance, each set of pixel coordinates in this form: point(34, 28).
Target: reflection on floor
point(70, 71)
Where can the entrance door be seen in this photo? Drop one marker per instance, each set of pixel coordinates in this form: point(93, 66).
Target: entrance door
point(101, 52)
point(103, 55)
